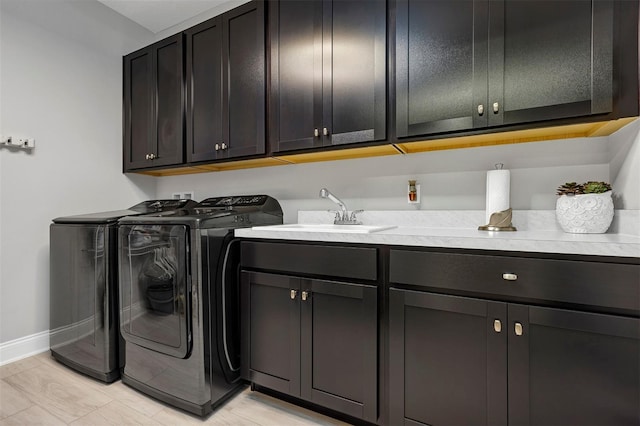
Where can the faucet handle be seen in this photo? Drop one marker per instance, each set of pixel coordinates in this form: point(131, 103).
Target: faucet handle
point(353, 218)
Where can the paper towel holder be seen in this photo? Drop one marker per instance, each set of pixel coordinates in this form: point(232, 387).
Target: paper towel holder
point(499, 221)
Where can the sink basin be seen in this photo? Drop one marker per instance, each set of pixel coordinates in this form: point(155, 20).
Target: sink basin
point(317, 227)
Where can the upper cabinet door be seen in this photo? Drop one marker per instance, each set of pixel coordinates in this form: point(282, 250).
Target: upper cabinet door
point(354, 71)
point(549, 59)
point(296, 74)
point(138, 109)
point(244, 74)
point(441, 66)
point(154, 105)
point(328, 73)
point(470, 64)
point(226, 85)
point(204, 90)
point(169, 116)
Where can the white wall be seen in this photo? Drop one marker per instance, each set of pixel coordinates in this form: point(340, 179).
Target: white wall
point(450, 180)
point(625, 166)
point(61, 69)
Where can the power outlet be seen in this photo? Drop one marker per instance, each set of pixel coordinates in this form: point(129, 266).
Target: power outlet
point(186, 195)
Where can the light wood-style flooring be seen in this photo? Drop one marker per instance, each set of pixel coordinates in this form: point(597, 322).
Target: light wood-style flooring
point(40, 391)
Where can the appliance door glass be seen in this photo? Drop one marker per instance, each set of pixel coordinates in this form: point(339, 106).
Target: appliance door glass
point(155, 287)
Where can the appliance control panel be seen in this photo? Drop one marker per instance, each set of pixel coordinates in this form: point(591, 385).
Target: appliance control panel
point(162, 205)
point(235, 201)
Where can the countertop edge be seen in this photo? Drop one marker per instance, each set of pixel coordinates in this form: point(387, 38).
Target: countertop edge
point(578, 244)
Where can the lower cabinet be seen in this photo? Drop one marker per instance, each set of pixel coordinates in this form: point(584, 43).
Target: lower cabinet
point(458, 360)
point(312, 339)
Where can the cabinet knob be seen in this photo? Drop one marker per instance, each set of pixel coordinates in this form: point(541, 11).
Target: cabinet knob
point(316, 132)
point(518, 329)
point(305, 295)
point(497, 326)
point(509, 277)
point(325, 131)
point(223, 146)
point(217, 147)
point(480, 109)
point(294, 293)
point(496, 107)
point(152, 156)
point(147, 157)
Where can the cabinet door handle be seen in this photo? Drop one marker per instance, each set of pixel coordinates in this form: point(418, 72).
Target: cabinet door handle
point(147, 157)
point(217, 147)
point(509, 277)
point(518, 329)
point(294, 293)
point(497, 326)
point(305, 295)
point(480, 109)
point(152, 156)
point(316, 132)
point(496, 107)
point(223, 146)
point(325, 131)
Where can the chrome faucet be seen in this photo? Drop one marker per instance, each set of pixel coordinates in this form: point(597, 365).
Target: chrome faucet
point(342, 216)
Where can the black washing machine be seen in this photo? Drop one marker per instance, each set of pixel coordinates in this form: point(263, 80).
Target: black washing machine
point(83, 306)
point(179, 299)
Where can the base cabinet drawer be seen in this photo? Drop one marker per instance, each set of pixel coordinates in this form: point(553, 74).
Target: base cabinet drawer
point(606, 286)
point(357, 263)
point(458, 360)
point(312, 339)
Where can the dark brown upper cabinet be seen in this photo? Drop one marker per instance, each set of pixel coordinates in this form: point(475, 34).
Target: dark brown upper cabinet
point(226, 92)
point(476, 63)
point(328, 73)
point(154, 105)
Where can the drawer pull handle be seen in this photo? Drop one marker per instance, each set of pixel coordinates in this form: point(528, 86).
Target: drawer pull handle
point(497, 326)
point(509, 277)
point(294, 293)
point(305, 296)
point(518, 329)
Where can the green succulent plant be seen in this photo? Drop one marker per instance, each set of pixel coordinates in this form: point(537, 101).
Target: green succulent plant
point(591, 187)
point(596, 187)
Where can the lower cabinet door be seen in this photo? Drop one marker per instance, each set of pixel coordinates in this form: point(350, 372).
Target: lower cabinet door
point(339, 347)
point(573, 368)
point(447, 358)
point(271, 331)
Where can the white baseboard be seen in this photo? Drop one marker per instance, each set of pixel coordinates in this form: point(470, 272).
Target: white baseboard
point(24, 347)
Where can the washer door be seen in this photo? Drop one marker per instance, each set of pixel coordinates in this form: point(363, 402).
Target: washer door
point(155, 287)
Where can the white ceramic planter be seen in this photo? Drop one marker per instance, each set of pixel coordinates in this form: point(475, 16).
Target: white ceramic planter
point(585, 213)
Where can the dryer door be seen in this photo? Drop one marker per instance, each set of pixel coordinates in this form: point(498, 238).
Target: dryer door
point(155, 287)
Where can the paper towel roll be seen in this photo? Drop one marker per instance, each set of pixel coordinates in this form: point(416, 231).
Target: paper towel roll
point(498, 187)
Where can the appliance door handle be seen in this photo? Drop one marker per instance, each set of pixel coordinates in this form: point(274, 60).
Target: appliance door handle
point(224, 307)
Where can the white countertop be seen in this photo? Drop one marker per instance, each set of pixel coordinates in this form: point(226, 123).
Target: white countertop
point(537, 232)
